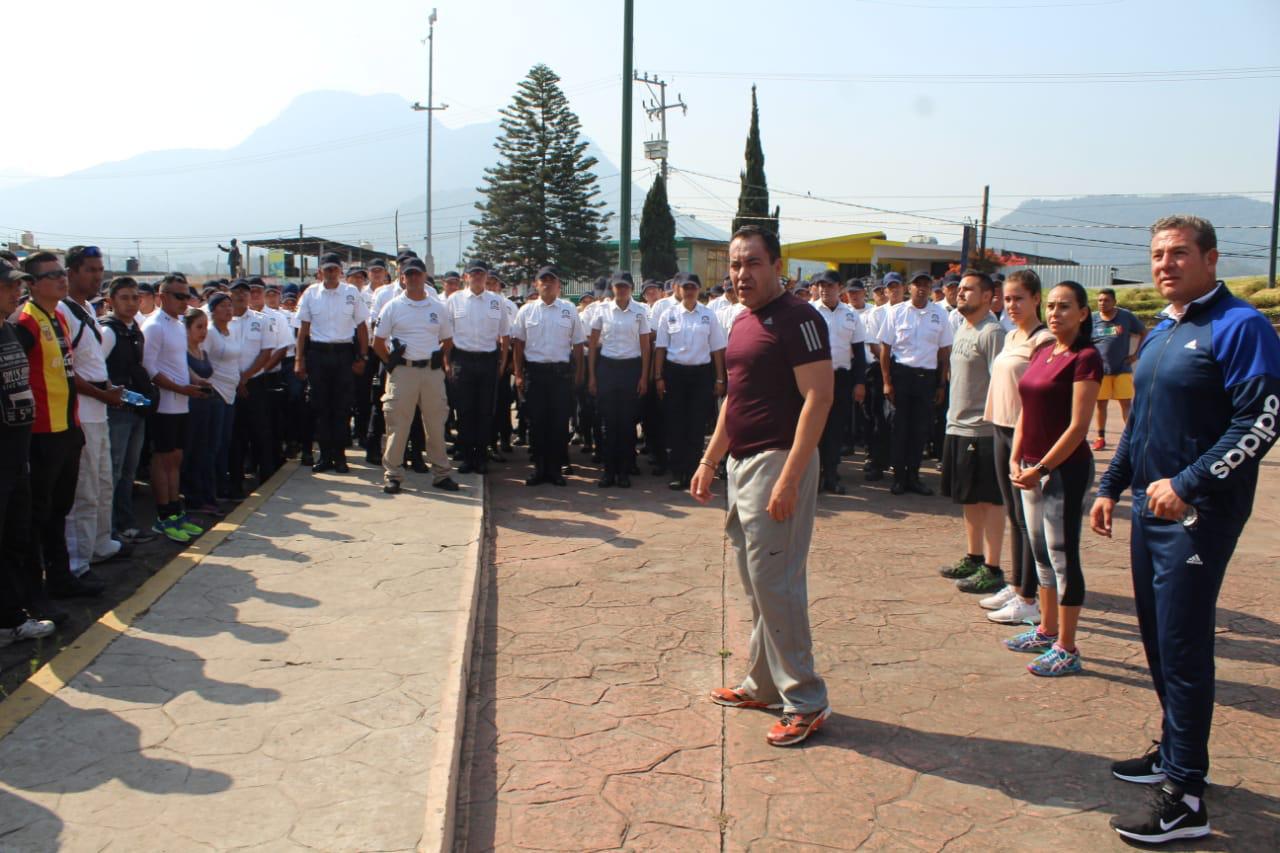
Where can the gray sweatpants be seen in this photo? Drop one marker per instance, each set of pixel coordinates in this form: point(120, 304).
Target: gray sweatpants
point(771, 559)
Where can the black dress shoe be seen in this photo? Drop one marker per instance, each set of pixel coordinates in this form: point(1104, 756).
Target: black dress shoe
point(391, 487)
point(318, 468)
point(75, 588)
point(418, 466)
point(447, 484)
point(340, 466)
point(624, 481)
point(607, 481)
point(873, 475)
point(466, 468)
point(495, 456)
point(534, 480)
point(919, 488)
point(898, 487)
point(557, 480)
point(307, 458)
point(43, 608)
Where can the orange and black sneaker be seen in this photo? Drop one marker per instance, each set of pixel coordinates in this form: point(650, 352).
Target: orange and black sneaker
point(796, 728)
point(731, 697)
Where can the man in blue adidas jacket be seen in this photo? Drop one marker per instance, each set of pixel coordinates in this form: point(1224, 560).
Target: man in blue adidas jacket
point(1206, 411)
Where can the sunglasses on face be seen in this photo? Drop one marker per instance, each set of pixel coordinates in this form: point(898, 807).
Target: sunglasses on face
point(181, 297)
point(49, 274)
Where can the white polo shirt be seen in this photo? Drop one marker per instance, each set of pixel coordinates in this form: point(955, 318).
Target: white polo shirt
point(381, 298)
point(333, 313)
point(549, 332)
point(660, 309)
point(845, 330)
point(869, 335)
point(223, 352)
point(279, 331)
point(689, 337)
point(915, 335)
point(88, 360)
point(253, 332)
point(164, 351)
point(420, 324)
point(620, 329)
point(479, 320)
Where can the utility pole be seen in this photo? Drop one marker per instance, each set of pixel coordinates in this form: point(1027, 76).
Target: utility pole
point(397, 243)
point(624, 220)
point(1275, 222)
point(137, 252)
point(656, 149)
point(429, 109)
point(982, 241)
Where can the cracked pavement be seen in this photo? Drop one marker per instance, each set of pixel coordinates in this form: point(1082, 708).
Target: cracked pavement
point(281, 696)
point(606, 616)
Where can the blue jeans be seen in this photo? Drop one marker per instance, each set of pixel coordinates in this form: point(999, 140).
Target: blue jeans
point(127, 428)
point(224, 420)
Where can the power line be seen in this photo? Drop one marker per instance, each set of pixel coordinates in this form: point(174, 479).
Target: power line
point(1262, 72)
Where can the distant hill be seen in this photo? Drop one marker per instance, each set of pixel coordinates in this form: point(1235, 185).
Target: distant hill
point(1243, 249)
point(337, 163)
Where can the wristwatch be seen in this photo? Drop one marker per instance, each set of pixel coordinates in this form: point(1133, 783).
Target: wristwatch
point(1042, 468)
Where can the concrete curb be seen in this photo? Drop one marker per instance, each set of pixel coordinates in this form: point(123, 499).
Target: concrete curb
point(67, 664)
point(446, 761)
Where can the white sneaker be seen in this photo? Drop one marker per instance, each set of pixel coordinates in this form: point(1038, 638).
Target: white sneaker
point(32, 629)
point(1000, 599)
point(113, 547)
point(1016, 612)
point(134, 536)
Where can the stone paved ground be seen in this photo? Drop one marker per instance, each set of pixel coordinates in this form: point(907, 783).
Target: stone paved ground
point(282, 696)
point(608, 614)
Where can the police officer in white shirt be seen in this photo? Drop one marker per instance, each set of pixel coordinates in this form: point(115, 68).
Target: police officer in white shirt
point(547, 338)
point(619, 375)
point(847, 334)
point(265, 299)
point(481, 332)
point(251, 429)
point(886, 294)
point(690, 344)
point(418, 325)
point(500, 435)
point(330, 314)
point(915, 350)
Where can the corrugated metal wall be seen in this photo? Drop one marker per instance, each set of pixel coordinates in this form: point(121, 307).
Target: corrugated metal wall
point(1090, 275)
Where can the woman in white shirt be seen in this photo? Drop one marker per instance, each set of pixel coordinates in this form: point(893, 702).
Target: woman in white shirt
point(222, 348)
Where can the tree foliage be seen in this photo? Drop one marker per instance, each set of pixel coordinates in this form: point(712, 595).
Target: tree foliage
point(657, 234)
point(541, 201)
point(753, 196)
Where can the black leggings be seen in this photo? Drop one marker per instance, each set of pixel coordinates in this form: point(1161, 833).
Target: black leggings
point(1055, 515)
point(1023, 573)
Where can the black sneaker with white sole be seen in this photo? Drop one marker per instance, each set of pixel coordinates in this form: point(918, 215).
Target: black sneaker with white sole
point(1142, 771)
point(1166, 818)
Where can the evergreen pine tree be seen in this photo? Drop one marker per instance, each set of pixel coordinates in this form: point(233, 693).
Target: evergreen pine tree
point(753, 197)
point(541, 201)
point(657, 234)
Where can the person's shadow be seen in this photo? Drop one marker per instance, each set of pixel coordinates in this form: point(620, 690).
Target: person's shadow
point(27, 826)
point(1047, 774)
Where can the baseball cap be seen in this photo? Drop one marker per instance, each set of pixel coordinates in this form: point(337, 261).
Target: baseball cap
point(380, 263)
point(717, 290)
point(330, 259)
point(256, 282)
point(8, 272)
point(451, 274)
point(621, 277)
point(920, 274)
point(549, 271)
point(892, 278)
point(291, 290)
point(828, 277)
point(648, 283)
point(684, 278)
point(413, 264)
point(357, 269)
point(239, 284)
point(480, 266)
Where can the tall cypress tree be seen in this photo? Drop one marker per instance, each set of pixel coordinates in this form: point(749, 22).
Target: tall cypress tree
point(541, 202)
point(657, 234)
point(753, 197)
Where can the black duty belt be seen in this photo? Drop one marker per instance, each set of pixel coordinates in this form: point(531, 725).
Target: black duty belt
point(328, 346)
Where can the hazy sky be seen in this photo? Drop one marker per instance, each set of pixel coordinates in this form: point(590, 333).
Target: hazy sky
point(868, 101)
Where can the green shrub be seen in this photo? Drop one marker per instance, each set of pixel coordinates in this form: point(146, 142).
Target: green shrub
point(1244, 287)
point(1269, 298)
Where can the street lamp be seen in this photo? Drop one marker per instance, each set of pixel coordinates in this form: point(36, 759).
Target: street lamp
point(428, 109)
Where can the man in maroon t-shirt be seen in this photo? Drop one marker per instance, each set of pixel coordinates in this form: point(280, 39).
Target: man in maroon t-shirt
point(780, 389)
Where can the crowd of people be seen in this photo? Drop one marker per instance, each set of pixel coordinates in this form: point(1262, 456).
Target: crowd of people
point(201, 390)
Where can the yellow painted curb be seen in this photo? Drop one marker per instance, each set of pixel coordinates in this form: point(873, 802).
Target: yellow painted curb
point(68, 663)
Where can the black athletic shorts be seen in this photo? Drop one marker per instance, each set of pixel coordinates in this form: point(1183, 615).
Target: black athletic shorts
point(168, 432)
point(969, 470)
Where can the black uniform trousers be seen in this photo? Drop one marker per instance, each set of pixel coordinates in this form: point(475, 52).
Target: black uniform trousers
point(362, 409)
point(15, 539)
point(689, 392)
point(503, 398)
point(653, 416)
point(879, 421)
point(475, 383)
point(619, 408)
point(299, 425)
point(331, 385)
point(548, 402)
point(251, 434)
point(834, 431)
point(55, 468)
point(914, 390)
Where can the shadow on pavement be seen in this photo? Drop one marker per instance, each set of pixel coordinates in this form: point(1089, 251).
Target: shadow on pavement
point(1049, 775)
point(27, 826)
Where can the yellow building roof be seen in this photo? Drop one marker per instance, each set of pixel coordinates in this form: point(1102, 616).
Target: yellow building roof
point(846, 249)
